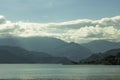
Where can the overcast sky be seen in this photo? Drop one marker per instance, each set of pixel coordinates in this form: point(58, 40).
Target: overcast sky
point(69, 20)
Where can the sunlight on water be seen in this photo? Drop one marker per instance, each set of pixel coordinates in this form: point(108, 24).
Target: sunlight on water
point(58, 72)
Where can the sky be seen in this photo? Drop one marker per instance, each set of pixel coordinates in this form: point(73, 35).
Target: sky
point(70, 20)
point(58, 10)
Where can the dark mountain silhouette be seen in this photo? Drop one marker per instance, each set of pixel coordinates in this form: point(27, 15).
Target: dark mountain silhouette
point(49, 45)
point(10, 54)
point(101, 45)
point(109, 57)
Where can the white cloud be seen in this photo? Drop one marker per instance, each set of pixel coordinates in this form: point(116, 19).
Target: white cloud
point(2, 20)
point(76, 30)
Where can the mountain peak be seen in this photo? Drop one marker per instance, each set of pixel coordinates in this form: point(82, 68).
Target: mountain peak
point(101, 45)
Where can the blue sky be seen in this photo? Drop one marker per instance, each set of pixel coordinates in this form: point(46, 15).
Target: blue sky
point(58, 10)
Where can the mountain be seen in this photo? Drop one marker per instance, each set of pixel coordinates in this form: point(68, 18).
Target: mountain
point(52, 46)
point(72, 51)
point(108, 57)
point(101, 45)
point(42, 44)
point(10, 54)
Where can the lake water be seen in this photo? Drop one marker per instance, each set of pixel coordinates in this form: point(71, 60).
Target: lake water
point(59, 72)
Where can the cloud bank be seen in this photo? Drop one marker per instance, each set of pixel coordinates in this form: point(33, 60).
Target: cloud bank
point(81, 30)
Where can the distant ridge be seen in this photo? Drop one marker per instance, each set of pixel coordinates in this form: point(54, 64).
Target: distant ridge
point(101, 45)
point(10, 54)
point(52, 46)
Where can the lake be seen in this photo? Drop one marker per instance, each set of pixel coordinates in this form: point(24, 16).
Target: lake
point(59, 72)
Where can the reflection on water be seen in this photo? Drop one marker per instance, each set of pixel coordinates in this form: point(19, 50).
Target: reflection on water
point(58, 72)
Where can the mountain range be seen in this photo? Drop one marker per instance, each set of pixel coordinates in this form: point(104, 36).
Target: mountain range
point(100, 46)
point(109, 57)
point(55, 48)
point(52, 46)
point(10, 54)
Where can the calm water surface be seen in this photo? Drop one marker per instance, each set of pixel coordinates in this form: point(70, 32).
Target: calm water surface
point(59, 72)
